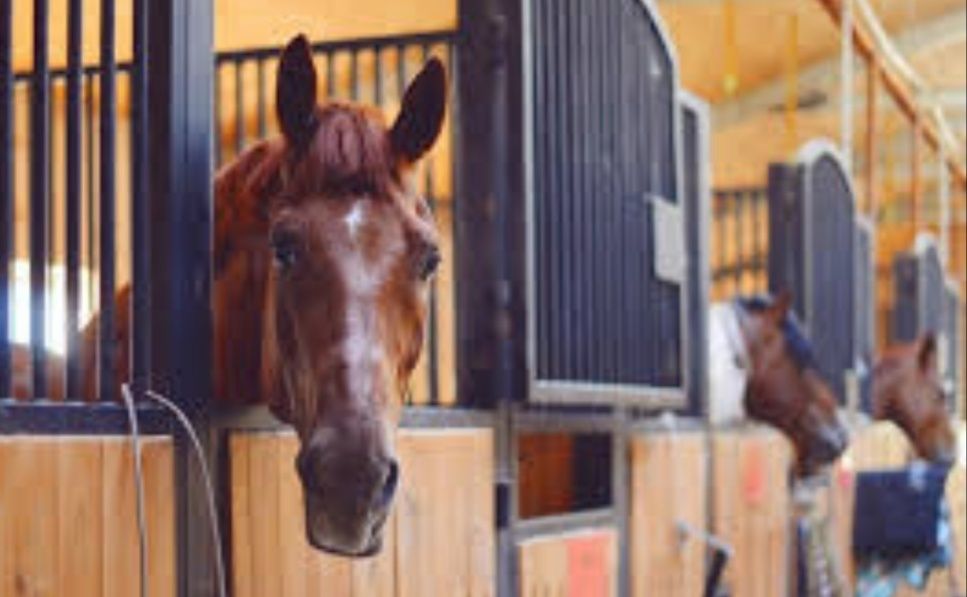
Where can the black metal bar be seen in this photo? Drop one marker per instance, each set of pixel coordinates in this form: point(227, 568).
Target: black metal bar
point(400, 70)
point(39, 192)
point(90, 180)
point(330, 74)
point(43, 417)
point(261, 107)
point(239, 109)
point(73, 196)
point(378, 76)
point(107, 361)
point(179, 107)
point(6, 189)
point(354, 74)
point(140, 223)
point(217, 114)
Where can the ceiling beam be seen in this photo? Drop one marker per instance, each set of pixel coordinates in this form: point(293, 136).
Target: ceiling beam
point(823, 75)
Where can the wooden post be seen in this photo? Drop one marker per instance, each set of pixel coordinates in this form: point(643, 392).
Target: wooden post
point(872, 89)
point(915, 169)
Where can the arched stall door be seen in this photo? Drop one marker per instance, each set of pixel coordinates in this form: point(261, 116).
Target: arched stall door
point(813, 255)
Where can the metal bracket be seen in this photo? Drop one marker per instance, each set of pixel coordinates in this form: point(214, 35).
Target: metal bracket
point(669, 235)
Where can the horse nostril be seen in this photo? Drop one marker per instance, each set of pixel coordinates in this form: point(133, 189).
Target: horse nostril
point(389, 485)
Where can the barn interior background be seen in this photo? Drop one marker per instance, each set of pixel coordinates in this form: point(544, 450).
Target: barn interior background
point(521, 478)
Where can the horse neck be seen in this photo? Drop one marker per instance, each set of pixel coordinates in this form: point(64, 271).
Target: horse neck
point(238, 303)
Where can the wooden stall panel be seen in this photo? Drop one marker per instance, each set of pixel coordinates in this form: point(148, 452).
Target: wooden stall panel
point(752, 508)
point(445, 513)
point(668, 484)
point(580, 564)
point(440, 536)
point(67, 516)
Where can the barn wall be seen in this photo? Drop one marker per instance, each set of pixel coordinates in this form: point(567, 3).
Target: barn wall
point(68, 521)
point(668, 484)
point(573, 564)
point(440, 540)
point(751, 508)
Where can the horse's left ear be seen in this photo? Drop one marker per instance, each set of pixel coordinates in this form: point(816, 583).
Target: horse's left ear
point(780, 306)
point(295, 92)
point(421, 113)
point(927, 353)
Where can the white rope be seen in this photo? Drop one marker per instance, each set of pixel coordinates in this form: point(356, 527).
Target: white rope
point(216, 535)
point(138, 488)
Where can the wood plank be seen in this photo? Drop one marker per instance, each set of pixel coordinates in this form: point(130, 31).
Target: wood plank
point(159, 503)
point(266, 561)
point(441, 539)
point(241, 531)
point(120, 562)
point(28, 516)
point(668, 483)
point(751, 508)
point(290, 519)
point(80, 535)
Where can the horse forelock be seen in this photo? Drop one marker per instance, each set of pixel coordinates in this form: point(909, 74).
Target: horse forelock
point(798, 345)
point(348, 155)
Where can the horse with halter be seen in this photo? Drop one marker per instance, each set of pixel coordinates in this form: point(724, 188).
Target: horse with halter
point(761, 366)
point(908, 390)
point(323, 252)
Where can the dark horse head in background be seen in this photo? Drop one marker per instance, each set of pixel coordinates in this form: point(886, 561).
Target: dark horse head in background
point(908, 390)
point(783, 385)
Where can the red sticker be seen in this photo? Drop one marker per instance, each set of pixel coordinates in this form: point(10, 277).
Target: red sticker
point(754, 473)
point(588, 570)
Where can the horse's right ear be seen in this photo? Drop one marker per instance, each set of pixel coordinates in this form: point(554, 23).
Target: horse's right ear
point(927, 353)
point(295, 92)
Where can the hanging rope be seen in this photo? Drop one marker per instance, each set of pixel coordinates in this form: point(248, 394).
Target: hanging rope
point(792, 82)
point(730, 80)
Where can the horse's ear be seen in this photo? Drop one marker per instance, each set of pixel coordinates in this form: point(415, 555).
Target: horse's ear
point(927, 353)
point(421, 113)
point(780, 306)
point(295, 92)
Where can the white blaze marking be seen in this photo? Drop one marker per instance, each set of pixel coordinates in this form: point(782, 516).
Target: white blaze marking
point(354, 219)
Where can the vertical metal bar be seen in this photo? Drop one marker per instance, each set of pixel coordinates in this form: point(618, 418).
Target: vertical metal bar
point(378, 76)
point(90, 177)
point(354, 74)
point(239, 108)
point(400, 71)
point(433, 364)
point(261, 108)
point(180, 112)
point(140, 228)
point(72, 197)
point(217, 113)
point(330, 75)
point(106, 356)
point(739, 257)
point(39, 191)
point(6, 189)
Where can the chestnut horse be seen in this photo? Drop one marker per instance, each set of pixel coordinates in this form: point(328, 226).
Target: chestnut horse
point(908, 390)
point(323, 253)
point(761, 366)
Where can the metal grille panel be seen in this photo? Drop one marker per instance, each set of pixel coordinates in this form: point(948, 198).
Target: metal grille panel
point(603, 153)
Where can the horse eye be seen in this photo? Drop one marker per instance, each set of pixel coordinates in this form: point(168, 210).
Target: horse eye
point(285, 249)
point(429, 263)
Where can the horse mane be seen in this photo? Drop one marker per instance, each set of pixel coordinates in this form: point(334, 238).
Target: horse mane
point(799, 346)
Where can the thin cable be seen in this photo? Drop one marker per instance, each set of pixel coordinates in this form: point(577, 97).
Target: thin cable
point(209, 490)
point(138, 488)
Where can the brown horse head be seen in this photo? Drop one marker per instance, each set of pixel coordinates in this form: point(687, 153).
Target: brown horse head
point(325, 248)
point(908, 390)
point(785, 388)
